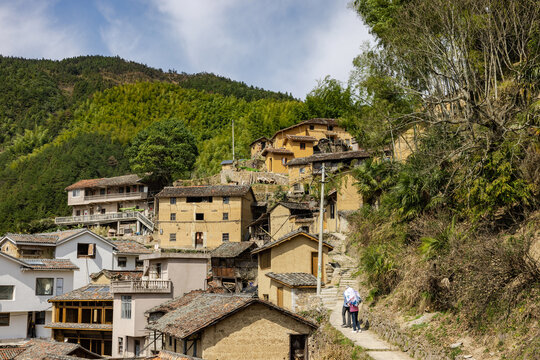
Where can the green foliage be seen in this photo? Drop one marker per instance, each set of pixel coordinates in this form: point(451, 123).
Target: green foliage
point(329, 100)
point(380, 267)
point(373, 178)
point(165, 150)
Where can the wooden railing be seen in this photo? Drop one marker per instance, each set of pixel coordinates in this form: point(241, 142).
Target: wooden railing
point(98, 218)
point(141, 286)
point(130, 195)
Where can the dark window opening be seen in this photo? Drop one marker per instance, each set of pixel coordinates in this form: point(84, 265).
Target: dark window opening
point(4, 319)
point(302, 146)
point(199, 216)
point(172, 237)
point(199, 199)
point(86, 250)
point(225, 216)
point(40, 317)
point(226, 199)
point(122, 261)
point(173, 216)
point(311, 127)
point(44, 286)
point(172, 200)
point(225, 237)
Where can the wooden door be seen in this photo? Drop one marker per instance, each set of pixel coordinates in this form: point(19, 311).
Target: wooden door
point(314, 263)
point(199, 242)
point(280, 296)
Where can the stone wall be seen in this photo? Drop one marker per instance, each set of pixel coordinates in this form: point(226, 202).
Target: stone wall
point(393, 333)
point(252, 177)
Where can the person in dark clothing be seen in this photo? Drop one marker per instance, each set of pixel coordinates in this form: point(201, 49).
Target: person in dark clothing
point(345, 314)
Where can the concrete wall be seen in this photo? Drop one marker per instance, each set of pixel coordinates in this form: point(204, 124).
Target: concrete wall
point(213, 226)
point(257, 332)
point(186, 274)
point(104, 258)
point(25, 298)
point(132, 328)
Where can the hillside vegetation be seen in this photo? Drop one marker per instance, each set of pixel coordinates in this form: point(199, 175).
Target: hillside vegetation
point(61, 121)
point(453, 228)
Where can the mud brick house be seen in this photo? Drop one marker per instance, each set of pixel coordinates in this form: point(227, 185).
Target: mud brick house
point(231, 327)
point(198, 217)
point(84, 316)
point(257, 146)
point(124, 203)
point(233, 265)
point(288, 268)
point(305, 139)
point(286, 217)
point(105, 276)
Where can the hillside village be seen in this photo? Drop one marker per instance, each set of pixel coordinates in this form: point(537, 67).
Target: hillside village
point(191, 270)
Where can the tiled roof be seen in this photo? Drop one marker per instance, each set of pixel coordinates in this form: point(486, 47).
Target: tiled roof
point(50, 264)
point(231, 249)
point(226, 162)
point(259, 139)
point(277, 151)
point(79, 326)
point(293, 205)
point(344, 155)
point(320, 121)
point(301, 138)
point(205, 310)
point(88, 292)
point(175, 303)
point(130, 247)
point(169, 355)
point(9, 353)
point(131, 179)
point(39, 349)
point(215, 190)
point(297, 279)
point(287, 237)
point(118, 274)
point(50, 238)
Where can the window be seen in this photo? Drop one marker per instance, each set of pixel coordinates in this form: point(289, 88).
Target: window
point(78, 213)
point(225, 237)
point(101, 191)
point(44, 286)
point(172, 237)
point(86, 250)
point(128, 189)
point(226, 199)
point(302, 170)
point(126, 307)
point(265, 259)
point(59, 286)
point(311, 127)
point(332, 211)
point(296, 187)
point(122, 261)
point(158, 271)
point(120, 345)
point(76, 192)
point(302, 146)
point(225, 216)
point(199, 216)
point(304, 229)
point(173, 216)
point(6, 292)
point(40, 317)
point(172, 200)
point(330, 128)
point(138, 262)
point(121, 190)
point(141, 188)
point(199, 199)
point(4, 319)
point(265, 297)
point(103, 211)
point(284, 161)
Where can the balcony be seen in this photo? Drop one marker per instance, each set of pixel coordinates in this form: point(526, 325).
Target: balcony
point(141, 287)
point(104, 218)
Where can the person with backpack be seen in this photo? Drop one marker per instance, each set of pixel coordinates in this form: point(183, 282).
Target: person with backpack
point(345, 313)
point(352, 297)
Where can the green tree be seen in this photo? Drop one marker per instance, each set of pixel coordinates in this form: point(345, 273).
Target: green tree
point(330, 99)
point(163, 152)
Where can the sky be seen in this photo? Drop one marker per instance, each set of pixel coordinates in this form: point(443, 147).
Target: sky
point(280, 45)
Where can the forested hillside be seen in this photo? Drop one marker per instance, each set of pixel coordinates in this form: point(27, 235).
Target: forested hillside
point(61, 121)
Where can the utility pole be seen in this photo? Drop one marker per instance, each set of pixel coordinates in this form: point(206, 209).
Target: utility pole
point(321, 214)
point(233, 140)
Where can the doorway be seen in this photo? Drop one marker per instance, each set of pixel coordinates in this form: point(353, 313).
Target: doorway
point(199, 240)
point(280, 296)
point(298, 348)
point(137, 347)
point(314, 263)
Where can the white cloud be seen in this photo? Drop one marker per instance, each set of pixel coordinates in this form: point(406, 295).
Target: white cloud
point(28, 30)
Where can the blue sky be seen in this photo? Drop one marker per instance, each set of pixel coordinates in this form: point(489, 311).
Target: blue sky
point(282, 45)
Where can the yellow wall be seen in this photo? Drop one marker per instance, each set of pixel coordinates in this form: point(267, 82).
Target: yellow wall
point(404, 145)
point(293, 255)
point(258, 332)
point(348, 197)
point(7, 247)
point(274, 162)
point(280, 222)
point(101, 279)
point(213, 226)
point(296, 177)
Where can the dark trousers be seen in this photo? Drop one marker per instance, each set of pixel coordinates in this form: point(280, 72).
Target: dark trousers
point(345, 313)
point(355, 324)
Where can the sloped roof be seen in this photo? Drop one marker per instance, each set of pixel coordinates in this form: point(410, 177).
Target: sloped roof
point(259, 139)
point(131, 179)
point(320, 121)
point(130, 247)
point(277, 151)
point(292, 205)
point(301, 138)
point(118, 274)
point(169, 355)
point(231, 249)
point(88, 292)
point(39, 349)
point(344, 155)
point(210, 190)
point(296, 279)
point(9, 353)
point(48, 239)
point(175, 303)
point(50, 264)
point(289, 236)
point(207, 309)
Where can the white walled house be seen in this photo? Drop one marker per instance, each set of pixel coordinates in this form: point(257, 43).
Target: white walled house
point(25, 287)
